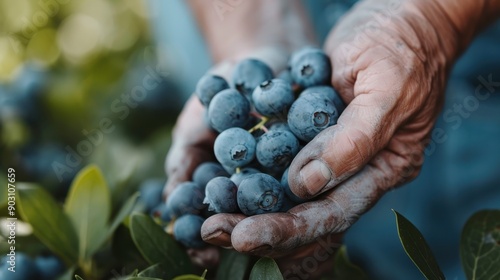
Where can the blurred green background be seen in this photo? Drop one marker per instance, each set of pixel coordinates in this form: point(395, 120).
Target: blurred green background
point(81, 82)
point(66, 67)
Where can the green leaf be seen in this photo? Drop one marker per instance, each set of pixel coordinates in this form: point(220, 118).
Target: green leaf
point(67, 275)
point(50, 224)
point(233, 266)
point(124, 212)
point(88, 205)
point(265, 269)
point(344, 269)
point(480, 245)
point(156, 246)
point(156, 270)
point(188, 277)
point(124, 250)
point(417, 248)
point(78, 277)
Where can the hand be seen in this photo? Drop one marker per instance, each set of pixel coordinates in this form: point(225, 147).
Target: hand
point(393, 78)
point(193, 139)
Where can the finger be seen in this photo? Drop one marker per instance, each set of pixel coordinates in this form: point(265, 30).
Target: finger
point(364, 128)
point(217, 229)
point(334, 212)
point(311, 261)
point(341, 150)
point(192, 145)
point(184, 161)
point(207, 257)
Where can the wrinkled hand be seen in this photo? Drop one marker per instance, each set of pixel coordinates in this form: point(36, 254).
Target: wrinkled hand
point(193, 139)
point(392, 77)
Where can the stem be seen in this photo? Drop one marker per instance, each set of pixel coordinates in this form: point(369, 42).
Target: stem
point(260, 125)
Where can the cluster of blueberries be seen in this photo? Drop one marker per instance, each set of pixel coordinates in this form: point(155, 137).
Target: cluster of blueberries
point(262, 123)
point(24, 124)
point(23, 267)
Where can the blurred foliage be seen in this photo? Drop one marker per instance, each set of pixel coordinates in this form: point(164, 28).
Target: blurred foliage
point(80, 82)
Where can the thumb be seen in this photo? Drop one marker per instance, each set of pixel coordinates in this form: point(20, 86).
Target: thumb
point(338, 152)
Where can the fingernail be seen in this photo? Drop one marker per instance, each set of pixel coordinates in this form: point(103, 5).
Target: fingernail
point(315, 176)
point(218, 238)
point(213, 235)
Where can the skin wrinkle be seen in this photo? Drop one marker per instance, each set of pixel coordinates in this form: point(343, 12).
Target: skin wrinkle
point(400, 158)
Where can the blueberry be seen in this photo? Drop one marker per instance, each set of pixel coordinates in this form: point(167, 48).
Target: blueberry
point(286, 188)
point(235, 147)
point(163, 212)
point(186, 198)
point(220, 195)
point(279, 126)
point(228, 109)
point(24, 269)
point(250, 73)
point(310, 114)
point(207, 171)
point(49, 267)
point(208, 86)
point(31, 82)
point(187, 230)
point(37, 161)
point(260, 193)
point(276, 149)
point(329, 92)
point(273, 98)
point(151, 193)
point(311, 67)
point(244, 172)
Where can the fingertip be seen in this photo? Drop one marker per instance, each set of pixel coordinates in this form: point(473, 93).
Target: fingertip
point(217, 229)
point(314, 177)
point(263, 234)
point(310, 175)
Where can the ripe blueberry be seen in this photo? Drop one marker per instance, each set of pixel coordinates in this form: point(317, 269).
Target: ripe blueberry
point(208, 86)
point(276, 149)
point(186, 198)
point(310, 67)
point(250, 73)
point(207, 171)
point(260, 193)
point(151, 193)
point(273, 98)
point(187, 230)
point(25, 268)
point(220, 195)
point(310, 114)
point(234, 147)
point(329, 92)
point(49, 267)
point(244, 172)
point(228, 109)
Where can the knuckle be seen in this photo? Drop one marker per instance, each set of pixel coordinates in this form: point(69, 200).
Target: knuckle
point(412, 162)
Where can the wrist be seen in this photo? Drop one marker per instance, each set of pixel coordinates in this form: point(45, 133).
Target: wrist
point(457, 22)
point(252, 25)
